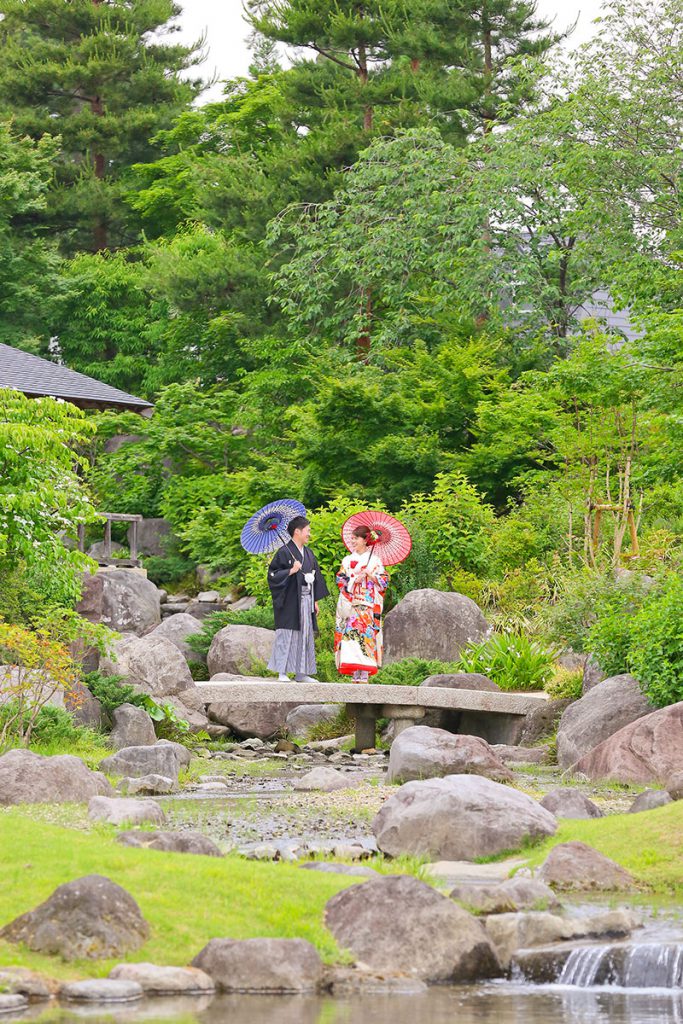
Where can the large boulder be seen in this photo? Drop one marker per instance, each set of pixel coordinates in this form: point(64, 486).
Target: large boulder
point(647, 750)
point(123, 811)
point(420, 752)
point(261, 965)
point(576, 865)
point(134, 762)
point(130, 602)
point(598, 714)
point(153, 536)
point(132, 727)
point(235, 648)
point(28, 778)
point(152, 664)
point(460, 817)
point(90, 918)
point(542, 722)
point(649, 799)
point(432, 624)
point(592, 674)
point(252, 721)
point(461, 681)
point(567, 802)
point(305, 717)
point(177, 628)
point(398, 923)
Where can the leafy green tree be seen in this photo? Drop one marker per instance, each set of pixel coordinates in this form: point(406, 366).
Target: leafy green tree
point(102, 77)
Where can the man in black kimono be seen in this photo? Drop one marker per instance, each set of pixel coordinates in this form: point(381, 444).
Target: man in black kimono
point(296, 586)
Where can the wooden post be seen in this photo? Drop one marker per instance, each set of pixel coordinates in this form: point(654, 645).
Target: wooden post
point(635, 548)
point(134, 541)
point(596, 529)
point(107, 538)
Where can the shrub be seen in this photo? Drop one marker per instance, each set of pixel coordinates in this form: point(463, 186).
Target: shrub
point(511, 660)
point(112, 693)
point(565, 683)
point(585, 597)
point(165, 570)
point(412, 671)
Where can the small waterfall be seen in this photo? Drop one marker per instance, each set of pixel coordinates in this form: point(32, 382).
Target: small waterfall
point(651, 965)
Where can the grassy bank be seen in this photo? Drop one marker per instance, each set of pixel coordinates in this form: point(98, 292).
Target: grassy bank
point(649, 845)
point(187, 900)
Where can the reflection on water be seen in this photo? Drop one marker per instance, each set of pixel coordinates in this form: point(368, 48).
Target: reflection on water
point(500, 1003)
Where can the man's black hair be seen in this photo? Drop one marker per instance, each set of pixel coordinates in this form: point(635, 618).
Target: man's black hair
point(297, 523)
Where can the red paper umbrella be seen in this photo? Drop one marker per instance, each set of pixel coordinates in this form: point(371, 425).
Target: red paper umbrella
point(393, 541)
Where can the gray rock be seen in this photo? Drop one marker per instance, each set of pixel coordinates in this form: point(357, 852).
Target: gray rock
point(542, 722)
point(101, 990)
point(85, 709)
point(592, 674)
point(183, 754)
point(459, 817)
point(423, 753)
point(513, 894)
point(234, 648)
point(398, 923)
point(603, 711)
point(243, 604)
point(577, 866)
point(24, 982)
point(134, 762)
point(90, 918)
point(303, 718)
point(99, 553)
point(164, 981)
point(674, 785)
point(332, 868)
point(171, 842)
point(432, 624)
point(521, 755)
point(461, 681)
point(152, 664)
point(153, 536)
point(132, 727)
point(177, 628)
point(649, 799)
point(570, 803)
point(130, 602)
point(325, 780)
point(261, 965)
point(149, 785)
point(28, 778)
point(122, 811)
point(12, 1003)
point(572, 660)
point(209, 597)
point(259, 721)
point(196, 720)
point(510, 932)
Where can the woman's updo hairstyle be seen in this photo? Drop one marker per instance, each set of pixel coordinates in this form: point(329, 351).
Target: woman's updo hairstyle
point(368, 535)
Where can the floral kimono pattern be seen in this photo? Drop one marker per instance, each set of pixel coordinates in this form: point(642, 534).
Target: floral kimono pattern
point(358, 634)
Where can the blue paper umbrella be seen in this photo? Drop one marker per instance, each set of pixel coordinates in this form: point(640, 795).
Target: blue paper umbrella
point(267, 528)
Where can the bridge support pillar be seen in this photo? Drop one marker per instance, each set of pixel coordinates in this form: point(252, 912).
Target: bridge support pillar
point(365, 716)
point(402, 715)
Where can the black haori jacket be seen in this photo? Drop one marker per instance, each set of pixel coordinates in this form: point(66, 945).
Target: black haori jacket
point(286, 589)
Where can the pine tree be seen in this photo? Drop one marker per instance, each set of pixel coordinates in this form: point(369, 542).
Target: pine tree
point(101, 76)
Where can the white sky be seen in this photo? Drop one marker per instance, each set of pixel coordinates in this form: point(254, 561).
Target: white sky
point(222, 23)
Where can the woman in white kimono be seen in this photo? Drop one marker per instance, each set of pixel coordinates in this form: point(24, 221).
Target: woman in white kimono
point(362, 582)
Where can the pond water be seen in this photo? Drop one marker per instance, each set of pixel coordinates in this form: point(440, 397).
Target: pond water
point(501, 1003)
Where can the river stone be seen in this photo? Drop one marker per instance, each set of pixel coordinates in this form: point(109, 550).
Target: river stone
point(575, 865)
point(28, 778)
point(461, 681)
point(608, 707)
point(510, 932)
point(513, 894)
point(90, 918)
point(123, 811)
point(130, 602)
point(420, 752)
point(592, 674)
point(177, 628)
point(148, 785)
point(332, 868)
point(134, 762)
point(570, 803)
point(261, 965)
point(171, 842)
point(647, 750)
point(101, 990)
point(674, 785)
point(432, 624)
point(234, 648)
point(24, 982)
point(648, 800)
point(325, 780)
point(164, 981)
point(305, 717)
point(398, 923)
point(459, 817)
point(13, 1003)
point(132, 727)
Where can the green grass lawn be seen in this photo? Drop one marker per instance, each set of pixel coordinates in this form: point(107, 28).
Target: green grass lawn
point(649, 845)
point(186, 899)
